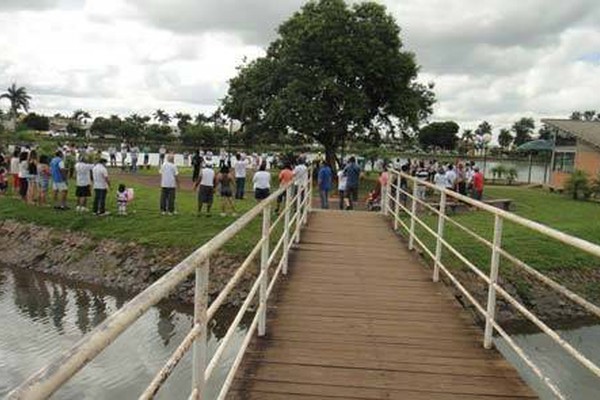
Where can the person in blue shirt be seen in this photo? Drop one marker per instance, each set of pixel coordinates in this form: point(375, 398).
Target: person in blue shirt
point(59, 181)
point(325, 179)
point(352, 173)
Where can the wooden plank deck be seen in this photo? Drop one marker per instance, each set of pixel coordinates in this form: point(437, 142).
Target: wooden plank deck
point(359, 318)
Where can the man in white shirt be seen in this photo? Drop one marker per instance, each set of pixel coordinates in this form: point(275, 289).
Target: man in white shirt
point(206, 181)
point(101, 185)
point(240, 175)
point(83, 180)
point(169, 181)
point(301, 172)
point(450, 177)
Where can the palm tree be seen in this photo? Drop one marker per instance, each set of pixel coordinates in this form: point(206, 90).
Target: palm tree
point(162, 117)
point(201, 119)
point(183, 120)
point(18, 97)
point(467, 135)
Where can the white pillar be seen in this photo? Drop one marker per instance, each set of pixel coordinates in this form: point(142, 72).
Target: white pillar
point(494, 265)
point(200, 318)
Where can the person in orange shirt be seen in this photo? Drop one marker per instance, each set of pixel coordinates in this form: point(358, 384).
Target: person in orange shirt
point(477, 184)
point(285, 176)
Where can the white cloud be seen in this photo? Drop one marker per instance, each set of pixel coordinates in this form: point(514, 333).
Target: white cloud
point(490, 59)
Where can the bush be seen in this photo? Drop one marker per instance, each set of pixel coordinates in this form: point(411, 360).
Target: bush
point(498, 171)
point(578, 184)
point(511, 175)
point(595, 186)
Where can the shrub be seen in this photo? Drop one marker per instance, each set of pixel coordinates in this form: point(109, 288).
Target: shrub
point(578, 184)
point(498, 171)
point(595, 186)
point(511, 175)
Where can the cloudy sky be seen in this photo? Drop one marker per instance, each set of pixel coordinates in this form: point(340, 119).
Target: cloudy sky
point(496, 60)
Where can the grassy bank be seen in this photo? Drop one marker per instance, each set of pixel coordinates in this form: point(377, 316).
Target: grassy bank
point(564, 263)
point(144, 224)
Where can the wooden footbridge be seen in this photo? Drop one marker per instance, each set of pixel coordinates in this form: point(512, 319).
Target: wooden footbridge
point(358, 315)
point(360, 319)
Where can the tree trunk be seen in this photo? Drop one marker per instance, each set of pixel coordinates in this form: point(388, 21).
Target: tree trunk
point(330, 157)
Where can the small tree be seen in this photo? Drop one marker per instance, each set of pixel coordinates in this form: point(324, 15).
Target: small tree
point(511, 175)
point(578, 184)
point(595, 187)
point(497, 172)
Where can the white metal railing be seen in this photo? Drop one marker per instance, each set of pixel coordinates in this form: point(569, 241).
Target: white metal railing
point(295, 214)
point(395, 203)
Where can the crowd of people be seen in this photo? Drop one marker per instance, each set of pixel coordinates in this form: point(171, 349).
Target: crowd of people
point(34, 177)
point(464, 178)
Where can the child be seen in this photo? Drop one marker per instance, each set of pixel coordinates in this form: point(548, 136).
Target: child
point(122, 199)
point(3, 184)
point(43, 179)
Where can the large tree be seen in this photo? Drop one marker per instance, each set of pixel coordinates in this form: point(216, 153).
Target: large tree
point(80, 116)
point(439, 134)
point(523, 129)
point(336, 73)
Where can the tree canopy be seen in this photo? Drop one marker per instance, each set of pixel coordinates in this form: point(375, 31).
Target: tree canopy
point(439, 134)
point(336, 73)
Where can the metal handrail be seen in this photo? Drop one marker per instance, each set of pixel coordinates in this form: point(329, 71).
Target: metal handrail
point(392, 205)
point(50, 378)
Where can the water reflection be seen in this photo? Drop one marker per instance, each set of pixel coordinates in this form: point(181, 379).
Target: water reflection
point(166, 326)
point(59, 306)
point(42, 317)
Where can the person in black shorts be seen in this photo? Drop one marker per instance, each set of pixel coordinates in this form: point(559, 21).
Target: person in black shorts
point(206, 181)
point(225, 178)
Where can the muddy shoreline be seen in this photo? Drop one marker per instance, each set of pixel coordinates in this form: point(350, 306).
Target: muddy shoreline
point(130, 268)
point(123, 266)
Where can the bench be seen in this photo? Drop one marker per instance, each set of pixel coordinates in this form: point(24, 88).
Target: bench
point(500, 203)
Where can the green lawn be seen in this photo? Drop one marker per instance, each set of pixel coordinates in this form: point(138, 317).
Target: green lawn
point(545, 254)
point(144, 224)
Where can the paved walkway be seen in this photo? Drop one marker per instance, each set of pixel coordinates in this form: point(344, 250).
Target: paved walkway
point(359, 318)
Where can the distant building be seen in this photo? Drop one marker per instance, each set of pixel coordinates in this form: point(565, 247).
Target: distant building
point(577, 147)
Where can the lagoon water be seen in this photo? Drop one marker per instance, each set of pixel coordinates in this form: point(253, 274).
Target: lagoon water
point(41, 317)
point(572, 379)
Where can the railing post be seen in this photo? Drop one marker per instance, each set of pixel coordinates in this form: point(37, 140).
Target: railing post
point(298, 213)
point(494, 265)
point(309, 191)
point(384, 199)
point(308, 196)
point(413, 213)
point(286, 230)
point(200, 318)
point(397, 203)
point(440, 236)
point(264, 259)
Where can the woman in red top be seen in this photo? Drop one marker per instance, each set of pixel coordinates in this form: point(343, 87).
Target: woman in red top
point(477, 184)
